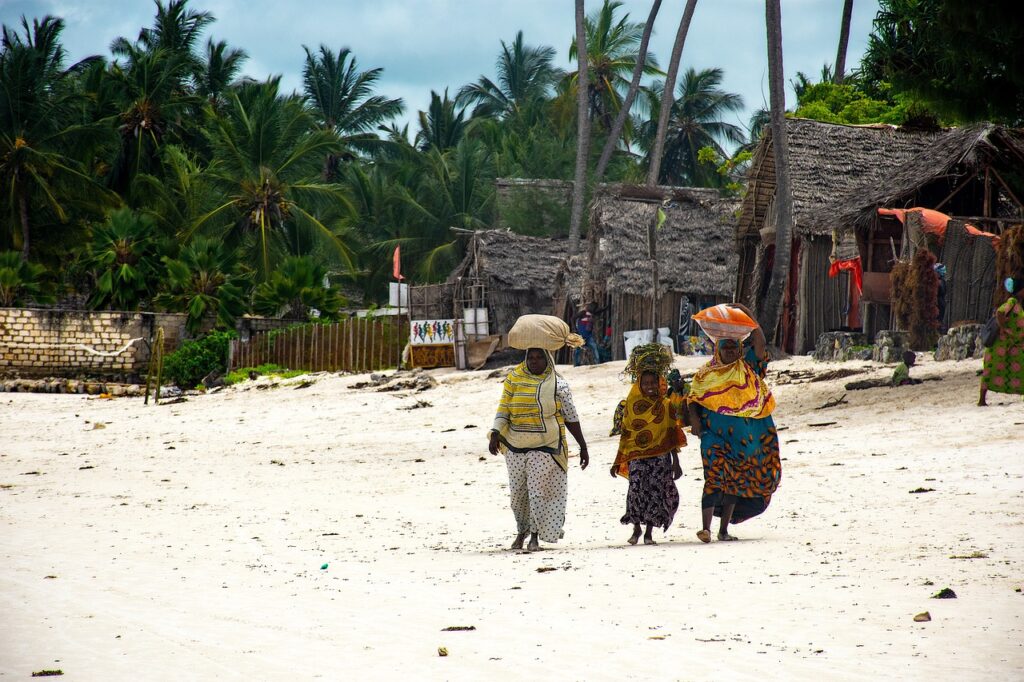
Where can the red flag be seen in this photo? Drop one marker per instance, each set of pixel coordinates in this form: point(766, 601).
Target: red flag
point(397, 270)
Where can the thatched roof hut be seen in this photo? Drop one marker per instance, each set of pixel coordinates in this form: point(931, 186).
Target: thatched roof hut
point(827, 161)
point(517, 275)
point(695, 253)
point(957, 153)
point(841, 176)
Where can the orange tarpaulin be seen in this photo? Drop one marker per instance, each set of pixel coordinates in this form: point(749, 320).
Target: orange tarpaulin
point(935, 222)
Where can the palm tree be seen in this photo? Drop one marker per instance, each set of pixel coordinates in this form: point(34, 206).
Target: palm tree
point(175, 31)
point(267, 158)
point(613, 50)
point(772, 310)
point(38, 108)
point(441, 126)
point(294, 288)
point(204, 280)
point(582, 131)
point(695, 122)
point(525, 76)
point(153, 108)
point(342, 100)
point(634, 85)
point(654, 159)
point(179, 196)
point(123, 259)
point(22, 283)
point(844, 40)
point(218, 70)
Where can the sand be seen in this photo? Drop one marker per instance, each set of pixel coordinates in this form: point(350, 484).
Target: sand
point(187, 541)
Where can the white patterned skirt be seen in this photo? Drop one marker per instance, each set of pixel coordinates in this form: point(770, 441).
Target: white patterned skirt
point(538, 488)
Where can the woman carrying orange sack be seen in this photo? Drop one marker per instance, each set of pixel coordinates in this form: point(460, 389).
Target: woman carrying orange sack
point(730, 411)
point(650, 434)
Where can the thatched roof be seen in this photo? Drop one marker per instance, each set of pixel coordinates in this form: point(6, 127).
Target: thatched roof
point(960, 151)
point(695, 247)
point(827, 161)
point(513, 261)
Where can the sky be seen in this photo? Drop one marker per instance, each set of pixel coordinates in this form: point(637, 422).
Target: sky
point(425, 45)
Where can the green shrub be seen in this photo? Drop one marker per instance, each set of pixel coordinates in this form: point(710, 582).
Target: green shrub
point(187, 366)
point(268, 369)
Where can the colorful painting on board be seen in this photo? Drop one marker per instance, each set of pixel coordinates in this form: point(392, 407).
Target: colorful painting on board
point(432, 332)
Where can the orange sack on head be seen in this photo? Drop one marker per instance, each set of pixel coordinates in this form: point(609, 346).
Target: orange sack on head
point(723, 321)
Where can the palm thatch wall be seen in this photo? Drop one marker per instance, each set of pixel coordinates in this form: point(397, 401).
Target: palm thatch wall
point(695, 253)
point(518, 272)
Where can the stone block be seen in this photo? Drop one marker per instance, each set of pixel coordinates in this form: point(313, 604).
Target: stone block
point(839, 346)
point(960, 343)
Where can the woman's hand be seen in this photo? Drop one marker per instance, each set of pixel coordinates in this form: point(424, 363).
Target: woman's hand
point(614, 471)
point(584, 457)
point(677, 471)
point(493, 445)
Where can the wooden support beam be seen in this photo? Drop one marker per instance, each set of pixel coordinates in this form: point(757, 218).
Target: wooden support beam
point(955, 191)
point(1009, 191)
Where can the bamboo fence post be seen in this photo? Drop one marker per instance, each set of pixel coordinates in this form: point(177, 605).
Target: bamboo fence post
point(366, 343)
point(351, 335)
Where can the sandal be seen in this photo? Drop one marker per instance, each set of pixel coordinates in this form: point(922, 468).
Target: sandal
point(704, 535)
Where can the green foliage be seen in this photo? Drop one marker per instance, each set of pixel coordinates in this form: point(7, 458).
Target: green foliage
point(697, 121)
point(204, 281)
point(22, 283)
point(123, 259)
point(268, 369)
point(536, 212)
point(267, 161)
point(960, 58)
point(42, 177)
point(732, 169)
point(847, 103)
point(295, 288)
point(194, 359)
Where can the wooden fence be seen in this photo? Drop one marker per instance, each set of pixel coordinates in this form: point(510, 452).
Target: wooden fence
point(352, 345)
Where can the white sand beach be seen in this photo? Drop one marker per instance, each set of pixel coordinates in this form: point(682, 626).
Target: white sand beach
point(186, 541)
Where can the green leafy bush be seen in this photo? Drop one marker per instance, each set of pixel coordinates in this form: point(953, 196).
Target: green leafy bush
point(187, 366)
point(266, 369)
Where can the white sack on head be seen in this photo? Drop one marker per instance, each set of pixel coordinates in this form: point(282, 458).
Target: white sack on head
point(542, 331)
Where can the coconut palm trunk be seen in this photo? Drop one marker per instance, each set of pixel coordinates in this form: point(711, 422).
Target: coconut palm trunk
point(582, 132)
point(23, 214)
point(634, 86)
point(771, 311)
point(654, 168)
point(844, 40)
point(668, 94)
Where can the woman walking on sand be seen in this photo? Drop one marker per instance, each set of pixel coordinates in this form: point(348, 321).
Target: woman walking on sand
point(1003, 363)
point(650, 435)
point(536, 409)
point(730, 411)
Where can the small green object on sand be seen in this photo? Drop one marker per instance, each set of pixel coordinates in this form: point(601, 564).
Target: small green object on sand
point(324, 567)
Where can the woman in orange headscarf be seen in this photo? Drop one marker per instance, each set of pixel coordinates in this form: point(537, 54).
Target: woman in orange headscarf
point(650, 435)
point(730, 411)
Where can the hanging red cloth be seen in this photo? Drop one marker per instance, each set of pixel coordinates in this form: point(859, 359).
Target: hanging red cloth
point(851, 264)
point(397, 265)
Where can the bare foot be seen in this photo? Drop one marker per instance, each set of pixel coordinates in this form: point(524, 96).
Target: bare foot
point(982, 403)
point(534, 545)
point(704, 535)
point(518, 542)
point(633, 538)
point(648, 540)
point(726, 536)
